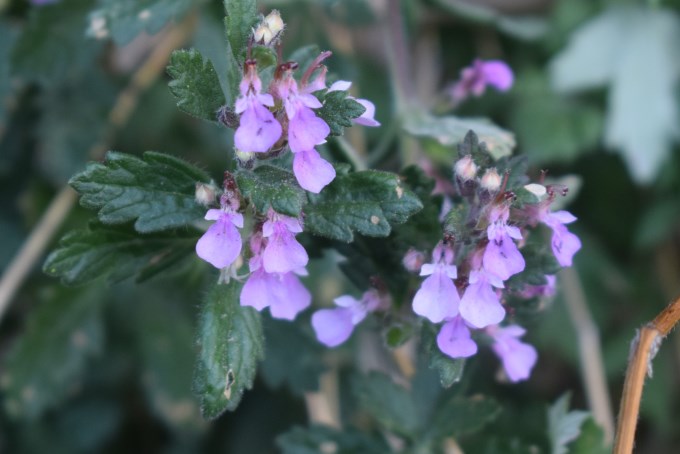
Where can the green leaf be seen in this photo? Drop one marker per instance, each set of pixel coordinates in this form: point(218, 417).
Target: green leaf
point(272, 187)
point(195, 84)
point(450, 130)
point(398, 334)
point(293, 357)
point(590, 441)
point(339, 110)
point(125, 19)
point(322, 439)
point(630, 41)
point(116, 253)
point(210, 41)
point(564, 426)
point(390, 404)
point(367, 202)
point(230, 345)
point(53, 45)
point(450, 370)
point(461, 416)
point(157, 191)
point(49, 358)
point(241, 18)
point(265, 57)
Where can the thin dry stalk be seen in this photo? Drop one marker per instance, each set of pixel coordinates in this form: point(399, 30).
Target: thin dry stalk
point(643, 349)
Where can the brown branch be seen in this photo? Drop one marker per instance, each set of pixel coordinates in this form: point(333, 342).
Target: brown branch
point(643, 350)
point(34, 247)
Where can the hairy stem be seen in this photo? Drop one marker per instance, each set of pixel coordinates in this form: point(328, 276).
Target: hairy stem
point(643, 349)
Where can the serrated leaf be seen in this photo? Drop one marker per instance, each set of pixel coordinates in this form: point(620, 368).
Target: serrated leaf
point(116, 253)
point(156, 191)
point(195, 84)
point(564, 426)
point(630, 42)
point(293, 357)
point(125, 19)
point(230, 345)
point(272, 187)
point(53, 45)
point(339, 110)
point(322, 439)
point(241, 18)
point(48, 359)
point(461, 416)
point(390, 404)
point(366, 202)
point(450, 130)
point(450, 370)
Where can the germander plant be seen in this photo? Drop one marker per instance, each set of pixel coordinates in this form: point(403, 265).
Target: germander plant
point(446, 259)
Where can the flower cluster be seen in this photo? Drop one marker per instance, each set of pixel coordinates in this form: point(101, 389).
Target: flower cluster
point(474, 302)
point(269, 119)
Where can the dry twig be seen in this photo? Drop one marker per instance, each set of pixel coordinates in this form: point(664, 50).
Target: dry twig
point(643, 349)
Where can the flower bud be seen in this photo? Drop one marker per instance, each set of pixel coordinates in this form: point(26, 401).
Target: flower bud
point(262, 34)
point(205, 194)
point(491, 181)
point(245, 158)
point(274, 22)
point(269, 29)
point(465, 168)
point(413, 260)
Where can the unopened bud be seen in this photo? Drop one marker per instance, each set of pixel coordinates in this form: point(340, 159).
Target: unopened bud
point(205, 194)
point(536, 189)
point(465, 168)
point(262, 34)
point(274, 22)
point(491, 181)
point(413, 260)
point(269, 29)
point(245, 158)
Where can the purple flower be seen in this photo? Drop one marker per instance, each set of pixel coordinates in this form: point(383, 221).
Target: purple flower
point(474, 79)
point(221, 244)
point(312, 172)
point(480, 306)
point(282, 253)
point(335, 326)
point(547, 289)
point(437, 299)
point(517, 357)
point(305, 129)
point(258, 130)
point(501, 256)
point(564, 243)
point(454, 339)
point(368, 117)
point(283, 293)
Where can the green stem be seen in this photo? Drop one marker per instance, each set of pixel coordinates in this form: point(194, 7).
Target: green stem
point(352, 155)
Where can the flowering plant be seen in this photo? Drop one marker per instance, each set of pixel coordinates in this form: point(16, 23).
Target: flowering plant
point(380, 257)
